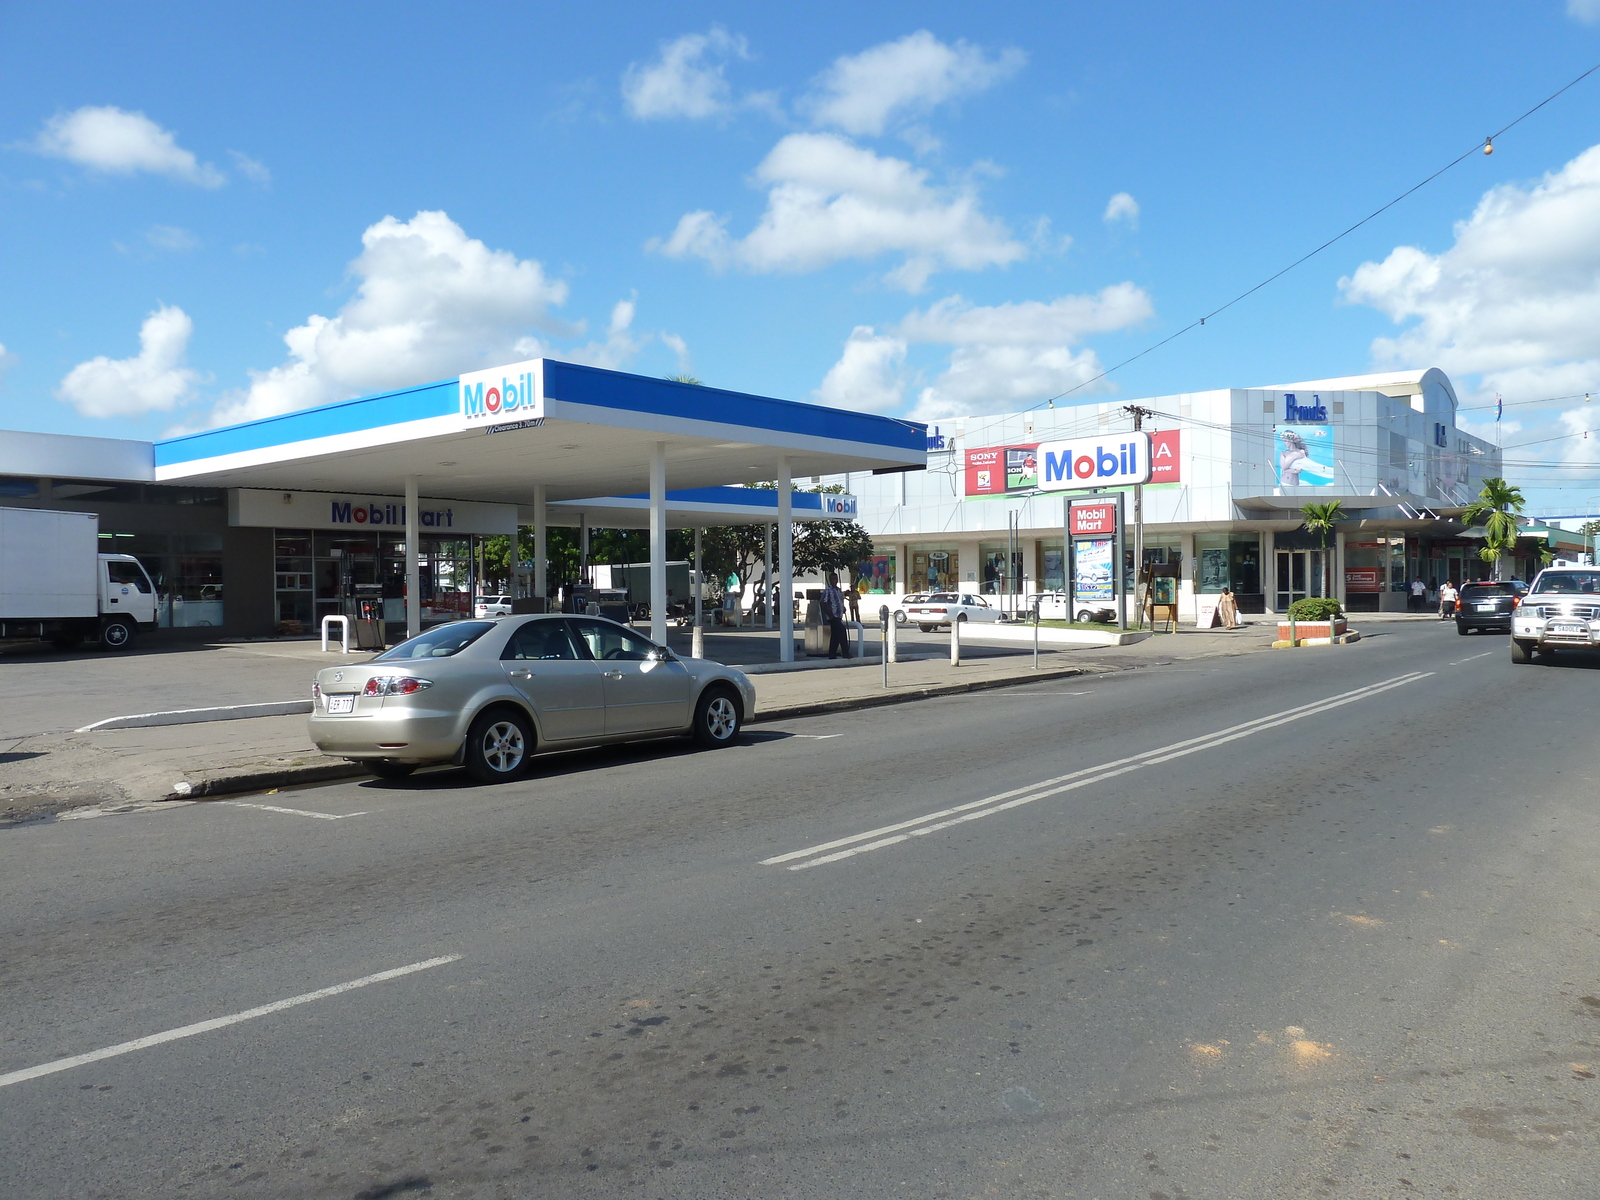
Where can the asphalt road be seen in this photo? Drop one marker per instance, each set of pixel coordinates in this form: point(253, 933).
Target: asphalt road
point(1314, 923)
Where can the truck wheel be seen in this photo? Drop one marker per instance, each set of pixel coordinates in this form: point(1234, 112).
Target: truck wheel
point(718, 718)
point(116, 634)
point(1521, 651)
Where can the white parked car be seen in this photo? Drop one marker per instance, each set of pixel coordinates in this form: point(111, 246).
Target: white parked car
point(904, 603)
point(941, 608)
point(492, 606)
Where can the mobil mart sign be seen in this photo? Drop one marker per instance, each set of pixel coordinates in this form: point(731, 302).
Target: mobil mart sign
point(1121, 458)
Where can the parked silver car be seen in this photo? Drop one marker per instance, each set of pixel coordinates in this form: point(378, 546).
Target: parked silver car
point(488, 694)
point(1561, 610)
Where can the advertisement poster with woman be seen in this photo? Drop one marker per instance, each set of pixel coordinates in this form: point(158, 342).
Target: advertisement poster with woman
point(1304, 455)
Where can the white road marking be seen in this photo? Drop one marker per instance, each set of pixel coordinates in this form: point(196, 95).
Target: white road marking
point(185, 1031)
point(875, 839)
point(817, 737)
point(294, 812)
point(1010, 695)
point(1474, 658)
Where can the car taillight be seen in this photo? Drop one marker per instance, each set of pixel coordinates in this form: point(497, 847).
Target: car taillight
point(316, 691)
point(1515, 601)
point(394, 685)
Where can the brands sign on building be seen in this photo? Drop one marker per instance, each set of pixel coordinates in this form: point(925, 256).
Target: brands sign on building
point(842, 507)
point(1087, 519)
point(360, 513)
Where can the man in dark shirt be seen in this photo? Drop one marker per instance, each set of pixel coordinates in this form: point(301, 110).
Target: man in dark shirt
point(833, 614)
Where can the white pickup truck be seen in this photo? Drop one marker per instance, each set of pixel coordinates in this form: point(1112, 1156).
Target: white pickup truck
point(1560, 611)
point(56, 585)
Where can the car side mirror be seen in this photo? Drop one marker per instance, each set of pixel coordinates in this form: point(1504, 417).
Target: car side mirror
point(660, 654)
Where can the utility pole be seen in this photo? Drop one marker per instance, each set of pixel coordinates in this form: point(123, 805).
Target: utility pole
point(1138, 414)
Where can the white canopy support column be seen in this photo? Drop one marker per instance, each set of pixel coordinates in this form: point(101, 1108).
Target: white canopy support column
point(699, 650)
point(766, 576)
point(413, 568)
point(541, 528)
point(658, 544)
point(583, 550)
point(785, 562)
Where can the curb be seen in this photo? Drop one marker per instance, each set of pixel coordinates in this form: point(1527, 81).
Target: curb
point(195, 716)
point(881, 699)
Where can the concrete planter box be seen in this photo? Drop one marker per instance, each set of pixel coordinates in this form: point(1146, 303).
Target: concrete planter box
point(1313, 629)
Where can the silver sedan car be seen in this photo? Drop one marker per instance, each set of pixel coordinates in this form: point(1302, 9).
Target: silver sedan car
point(488, 694)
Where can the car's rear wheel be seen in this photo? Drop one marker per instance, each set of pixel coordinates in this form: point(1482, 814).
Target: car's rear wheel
point(927, 628)
point(1463, 630)
point(1521, 651)
point(390, 770)
point(499, 746)
point(718, 718)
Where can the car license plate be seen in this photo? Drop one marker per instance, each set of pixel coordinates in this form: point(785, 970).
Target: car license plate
point(1575, 629)
point(1486, 608)
point(342, 704)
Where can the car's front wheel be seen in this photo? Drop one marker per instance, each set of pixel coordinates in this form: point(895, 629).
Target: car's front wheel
point(499, 746)
point(927, 628)
point(1521, 651)
point(899, 618)
point(718, 718)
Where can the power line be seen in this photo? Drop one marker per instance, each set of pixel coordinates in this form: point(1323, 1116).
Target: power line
point(1487, 146)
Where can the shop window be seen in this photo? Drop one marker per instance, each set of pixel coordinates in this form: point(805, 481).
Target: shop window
point(997, 577)
point(875, 575)
point(1052, 573)
point(933, 569)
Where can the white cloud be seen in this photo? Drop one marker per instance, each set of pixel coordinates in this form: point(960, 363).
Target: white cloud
point(154, 380)
point(170, 237)
point(1515, 301)
point(251, 169)
point(680, 348)
point(868, 376)
point(7, 360)
point(118, 142)
point(1122, 207)
point(830, 200)
point(431, 303)
point(865, 93)
point(620, 345)
point(1587, 11)
point(1002, 356)
point(686, 79)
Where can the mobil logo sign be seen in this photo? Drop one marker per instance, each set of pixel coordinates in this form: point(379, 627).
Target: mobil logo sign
point(514, 393)
point(1119, 458)
point(1089, 519)
point(843, 507)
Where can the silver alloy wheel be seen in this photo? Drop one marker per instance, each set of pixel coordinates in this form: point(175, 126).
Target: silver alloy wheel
point(503, 747)
point(116, 635)
point(722, 719)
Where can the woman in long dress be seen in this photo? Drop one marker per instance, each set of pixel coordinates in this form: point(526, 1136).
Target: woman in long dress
point(1228, 610)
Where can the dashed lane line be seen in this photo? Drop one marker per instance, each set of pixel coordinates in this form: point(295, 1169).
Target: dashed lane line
point(199, 1027)
point(293, 812)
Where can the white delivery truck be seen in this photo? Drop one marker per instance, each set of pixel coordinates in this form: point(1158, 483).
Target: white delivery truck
point(56, 585)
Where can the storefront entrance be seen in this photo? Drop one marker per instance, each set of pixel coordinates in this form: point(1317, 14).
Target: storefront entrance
point(1300, 574)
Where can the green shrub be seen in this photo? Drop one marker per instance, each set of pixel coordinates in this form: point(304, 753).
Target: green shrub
point(1315, 608)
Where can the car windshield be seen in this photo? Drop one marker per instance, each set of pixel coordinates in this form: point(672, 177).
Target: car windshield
point(1568, 583)
point(439, 642)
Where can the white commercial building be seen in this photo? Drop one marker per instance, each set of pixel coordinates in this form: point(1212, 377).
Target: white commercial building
point(1230, 471)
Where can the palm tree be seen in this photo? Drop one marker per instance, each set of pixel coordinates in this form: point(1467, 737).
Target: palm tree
point(1496, 509)
point(1320, 519)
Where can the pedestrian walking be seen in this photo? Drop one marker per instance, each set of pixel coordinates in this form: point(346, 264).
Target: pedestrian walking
point(1447, 600)
point(833, 614)
point(1228, 609)
point(1419, 595)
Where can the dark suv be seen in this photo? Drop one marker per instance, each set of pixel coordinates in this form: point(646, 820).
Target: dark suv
point(1488, 605)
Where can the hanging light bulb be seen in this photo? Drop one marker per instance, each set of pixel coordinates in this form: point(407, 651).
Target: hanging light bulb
point(1488, 145)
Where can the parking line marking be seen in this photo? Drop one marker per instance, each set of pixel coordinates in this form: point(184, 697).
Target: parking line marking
point(1027, 794)
point(817, 737)
point(1474, 658)
point(294, 812)
point(186, 1031)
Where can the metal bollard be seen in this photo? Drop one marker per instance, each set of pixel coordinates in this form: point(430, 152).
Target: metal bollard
point(955, 643)
point(888, 624)
point(1036, 633)
point(894, 640)
point(697, 646)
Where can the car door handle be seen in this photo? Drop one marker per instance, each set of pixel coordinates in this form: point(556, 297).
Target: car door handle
point(613, 674)
point(524, 673)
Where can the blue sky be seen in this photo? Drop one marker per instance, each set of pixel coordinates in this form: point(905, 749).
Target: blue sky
point(900, 208)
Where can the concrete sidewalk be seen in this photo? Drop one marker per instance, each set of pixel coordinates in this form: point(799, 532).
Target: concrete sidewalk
point(112, 769)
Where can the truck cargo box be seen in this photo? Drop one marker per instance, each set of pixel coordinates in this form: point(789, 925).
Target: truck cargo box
point(49, 564)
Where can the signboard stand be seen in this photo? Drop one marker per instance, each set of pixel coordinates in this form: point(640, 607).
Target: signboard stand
point(1094, 540)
